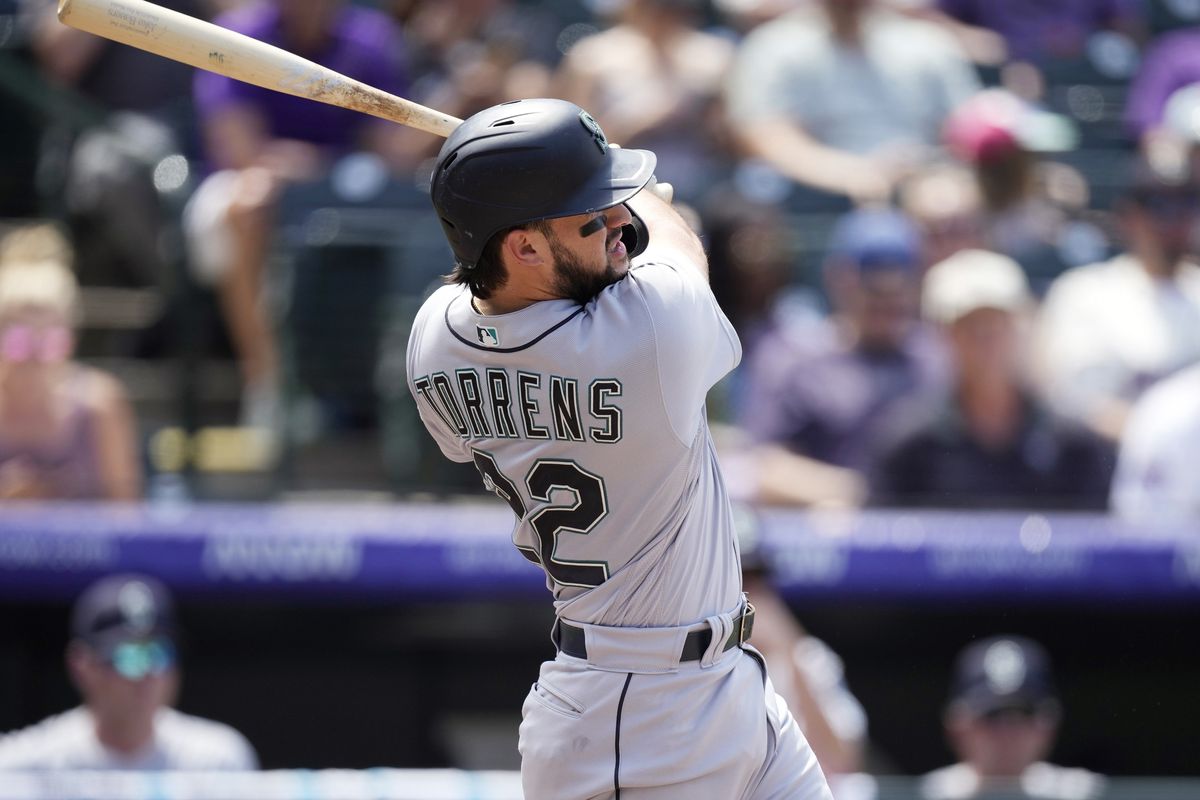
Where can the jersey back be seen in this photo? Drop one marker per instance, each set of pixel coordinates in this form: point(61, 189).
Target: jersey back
point(589, 421)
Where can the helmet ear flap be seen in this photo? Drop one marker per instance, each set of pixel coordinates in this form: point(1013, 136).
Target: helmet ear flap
point(635, 236)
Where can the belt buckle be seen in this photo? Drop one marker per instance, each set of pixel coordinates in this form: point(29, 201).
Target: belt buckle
point(746, 623)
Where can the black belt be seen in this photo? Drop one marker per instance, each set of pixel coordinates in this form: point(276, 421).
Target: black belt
point(571, 639)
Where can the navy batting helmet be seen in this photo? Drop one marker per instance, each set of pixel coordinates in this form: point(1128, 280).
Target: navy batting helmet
point(527, 160)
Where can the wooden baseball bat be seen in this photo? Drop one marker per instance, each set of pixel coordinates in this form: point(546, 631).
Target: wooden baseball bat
point(204, 45)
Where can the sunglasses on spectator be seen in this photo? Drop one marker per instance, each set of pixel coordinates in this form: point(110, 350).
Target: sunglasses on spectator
point(1023, 713)
point(45, 344)
point(136, 660)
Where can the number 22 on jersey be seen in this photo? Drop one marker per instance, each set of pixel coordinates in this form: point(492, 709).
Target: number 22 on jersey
point(580, 518)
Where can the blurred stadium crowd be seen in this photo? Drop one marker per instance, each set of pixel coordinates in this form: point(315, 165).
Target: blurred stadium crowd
point(957, 239)
point(960, 240)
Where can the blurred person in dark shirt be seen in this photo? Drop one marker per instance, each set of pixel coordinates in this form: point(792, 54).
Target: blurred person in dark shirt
point(990, 443)
point(817, 394)
point(1001, 720)
point(131, 110)
point(67, 431)
point(257, 141)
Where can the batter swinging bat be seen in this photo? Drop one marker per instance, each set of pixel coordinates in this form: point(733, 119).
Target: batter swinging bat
point(207, 46)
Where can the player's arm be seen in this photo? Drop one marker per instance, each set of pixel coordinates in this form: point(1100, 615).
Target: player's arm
point(669, 232)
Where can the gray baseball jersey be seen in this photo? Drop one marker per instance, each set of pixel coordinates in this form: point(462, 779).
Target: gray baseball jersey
point(590, 422)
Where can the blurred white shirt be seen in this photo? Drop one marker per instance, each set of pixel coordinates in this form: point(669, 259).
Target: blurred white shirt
point(1108, 331)
point(1156, 474)
point(68, 741)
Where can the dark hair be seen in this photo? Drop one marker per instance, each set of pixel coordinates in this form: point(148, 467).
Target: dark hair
point(489, 273)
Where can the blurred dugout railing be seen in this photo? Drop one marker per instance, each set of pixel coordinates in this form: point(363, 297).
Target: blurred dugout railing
point(442, 784)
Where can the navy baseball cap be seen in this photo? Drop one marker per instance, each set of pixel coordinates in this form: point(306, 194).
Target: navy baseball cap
point(876, 239)
point(121, 611)
point(1003, 672)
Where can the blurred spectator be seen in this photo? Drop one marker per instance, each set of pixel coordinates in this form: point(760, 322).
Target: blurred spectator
point(818, 394)
point(116, 76)
point(131, 110)
point(944, 202)
point(804, 670)
point(66, 431)
point(845, 96)
point(990, 444)
point(122, 658)
point(1001, 721)
point(751, 260)
point(467, 55)
point(1028, 203)
point(1163, 106)
point(1108, 330)
point(258, 140)
point(1171, 63)
point(653, 81)
point(1040, 30)
point(1156, 466)
point(743, 16)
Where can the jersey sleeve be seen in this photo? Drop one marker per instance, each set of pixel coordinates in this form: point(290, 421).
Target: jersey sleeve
point(694, 343)
point(423, 393)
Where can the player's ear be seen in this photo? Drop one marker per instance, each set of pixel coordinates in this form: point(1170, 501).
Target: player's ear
point(526, 247)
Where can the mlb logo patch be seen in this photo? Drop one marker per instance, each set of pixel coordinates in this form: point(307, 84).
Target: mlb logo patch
point(488, 337)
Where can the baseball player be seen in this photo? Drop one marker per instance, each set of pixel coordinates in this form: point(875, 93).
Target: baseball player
point(569, 358)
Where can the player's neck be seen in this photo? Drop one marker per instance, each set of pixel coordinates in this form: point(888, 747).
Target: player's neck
point(506, 302)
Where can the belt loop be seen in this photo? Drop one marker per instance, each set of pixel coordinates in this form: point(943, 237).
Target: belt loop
point(721, 626)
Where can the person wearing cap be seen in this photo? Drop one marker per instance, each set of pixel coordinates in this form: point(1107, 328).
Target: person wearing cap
point(990, 443)
point(1108, 330)
point(123, 659)
point(1001, 720)
point(816, 395)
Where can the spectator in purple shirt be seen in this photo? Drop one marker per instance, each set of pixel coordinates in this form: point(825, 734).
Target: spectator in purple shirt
point(257, 140)
point(1044, 30)
point(816, 395)
point(1171, 64)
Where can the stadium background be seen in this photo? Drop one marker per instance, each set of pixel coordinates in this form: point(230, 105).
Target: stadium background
point(321, 673)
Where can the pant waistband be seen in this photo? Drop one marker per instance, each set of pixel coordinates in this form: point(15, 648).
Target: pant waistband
point(639, 647)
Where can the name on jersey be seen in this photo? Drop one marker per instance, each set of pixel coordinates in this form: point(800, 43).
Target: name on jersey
point(497, 404)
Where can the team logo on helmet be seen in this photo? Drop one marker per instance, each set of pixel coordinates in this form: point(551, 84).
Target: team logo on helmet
point(593, 127)
point(488, 337)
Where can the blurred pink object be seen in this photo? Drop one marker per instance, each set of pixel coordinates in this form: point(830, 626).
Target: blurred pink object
point(996, 123)
point(986, 127)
